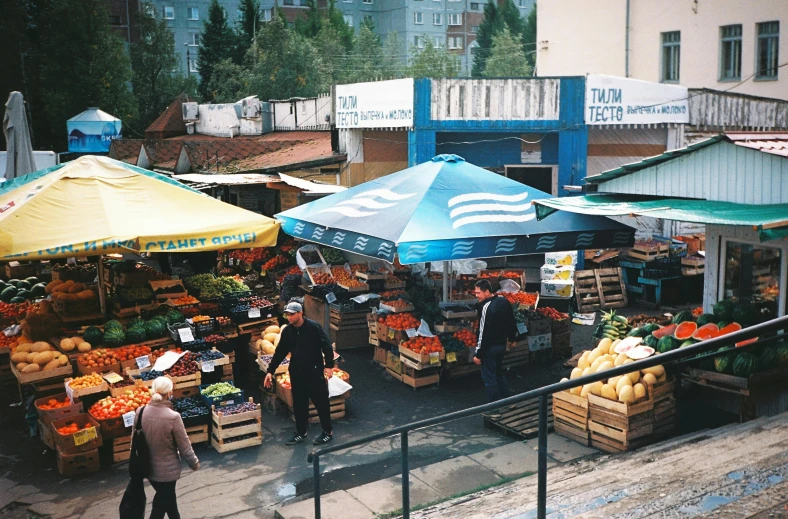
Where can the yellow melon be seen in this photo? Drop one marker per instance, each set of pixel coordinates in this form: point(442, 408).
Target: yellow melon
point(626, 395)
point(608, 392)
point(84, 347)
point(634, 377)
point(623, 382)
point(270, 337)
point(649, 379)
point(67, 345)
point(41, 346)
point(640, 391)
point(577, 372)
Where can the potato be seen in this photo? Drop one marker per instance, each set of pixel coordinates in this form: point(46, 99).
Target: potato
point(26, 347)
point(41, 346)
point(53, 364)
point(44, 358)
point(67, 345)
point(21, 366)
point(31, 368)
point(19, 356)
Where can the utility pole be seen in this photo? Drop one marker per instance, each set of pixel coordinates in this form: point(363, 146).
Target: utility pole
point(188, 61)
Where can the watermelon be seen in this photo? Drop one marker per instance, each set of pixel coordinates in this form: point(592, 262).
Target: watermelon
point(135, 321)
point(746, 342)
point(22, 294)
point(637, 332)
point(651, 327)
point(114, 337)
point(93, 335)
point(33, 280)
point(682, 317)
point(7, 294)
point(113, 324)
point(767, 359)
point(38, 290)
point(730, 328)
point(723, 362)
point(706, 332)
point(723, 324)
point(651, 341)
point(136, 334)
point(688, 342)
point(24, 285)
point(174, 316)
point(746, 315)
point(154, 329)
point(13, 282)
point(685, 330)
point(782, 355)
point(745, 364)
point(666, 344)
point(704, 319)
point(723, 310)
point(665, 330)
point(17, 299)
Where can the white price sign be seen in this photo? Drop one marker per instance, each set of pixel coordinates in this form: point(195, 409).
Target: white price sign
point(128, 419)
point(143, 362)
point(331, 297)
point(522, 328)
point(207, 366)
point(185, 335)
point(411, 332)
point(253, 313)
point(70, 393)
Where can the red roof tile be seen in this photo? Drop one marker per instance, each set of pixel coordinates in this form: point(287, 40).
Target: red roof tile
point(162, 150)
point(170, 122)
point(292, 156)
point(125, 150)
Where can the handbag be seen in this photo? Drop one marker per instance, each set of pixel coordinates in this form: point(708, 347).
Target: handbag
point(139, 462)
point(132, 506)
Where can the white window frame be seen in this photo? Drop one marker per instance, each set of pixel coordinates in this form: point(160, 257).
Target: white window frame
point(190, 10)
point(455, 16)
point(191, 41)
point(150, 10)
point(455, 42)
point(265, 15)
point(764, 40)
point(349, 19)
point(729, 44)
point(418, 42)
point(669, 46)
point(366, 2)
point(437, 18)
point(418, 18)
point(193, 65)
point(164, 12)
point(722, 260)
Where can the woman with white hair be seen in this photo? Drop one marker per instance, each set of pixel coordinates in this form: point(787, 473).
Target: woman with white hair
point(168, 443)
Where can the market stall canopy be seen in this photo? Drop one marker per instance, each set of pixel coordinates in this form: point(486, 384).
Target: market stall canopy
point(445, 209)
point(770, 220)
point(17, 138)
point(97, 205)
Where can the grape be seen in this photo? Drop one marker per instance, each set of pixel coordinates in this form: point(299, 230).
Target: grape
point(220, 389)
point(239, 408)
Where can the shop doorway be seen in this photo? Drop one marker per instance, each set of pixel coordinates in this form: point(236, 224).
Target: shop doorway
point(541, 177)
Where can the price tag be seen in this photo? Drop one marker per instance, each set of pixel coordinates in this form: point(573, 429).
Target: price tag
point(411, 332)
point(71, 261)
point(128, 419)
point(391, 333)
point(451, 357)
point(253, 313)
point(185, 335)
point(231, 262)
point(207, 366)
point(143, 362)
point(522, 328)
point(330, 297)
point(435, 358)
point(84, 436)
point(112, 377)
point(229, 402)
point(70, 393)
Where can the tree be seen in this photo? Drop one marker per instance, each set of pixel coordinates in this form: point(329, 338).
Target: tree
point(336, 19)
point(393, 64)
point(333, 57)
point(433, 62)
point(217, 42)
point(367, 55)
point(310, 25)
point(248, 25)
point(230, 82)
point(153, 61)
point(507, 58)
point(495, 19)
point(529, 38)
point(83, 64)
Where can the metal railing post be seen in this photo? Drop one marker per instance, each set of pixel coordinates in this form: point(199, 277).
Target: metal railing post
point(405, 475)
point(541, 494)
point(316, 478)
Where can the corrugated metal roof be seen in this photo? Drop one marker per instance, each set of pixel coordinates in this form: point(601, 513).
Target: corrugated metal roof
point(309, 186)
point(774, 143)
point(230, 179)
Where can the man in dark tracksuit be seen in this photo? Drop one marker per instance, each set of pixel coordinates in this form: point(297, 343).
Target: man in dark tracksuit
point(496, 325)
point(311, 363)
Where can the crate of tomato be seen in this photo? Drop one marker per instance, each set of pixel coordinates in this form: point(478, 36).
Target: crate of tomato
point(392, 328)
point(75, 434)
point(423, 351)
point(559, 321)
point(108, 412)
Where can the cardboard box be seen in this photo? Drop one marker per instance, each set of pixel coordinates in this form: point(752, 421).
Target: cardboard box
point(393, 363)
point(540, 342)
point(550, 272)
point(561, 258)
point(541, 326)
point(558, 288)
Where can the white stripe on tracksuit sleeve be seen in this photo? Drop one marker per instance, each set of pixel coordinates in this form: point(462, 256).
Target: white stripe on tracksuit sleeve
point(481, 326)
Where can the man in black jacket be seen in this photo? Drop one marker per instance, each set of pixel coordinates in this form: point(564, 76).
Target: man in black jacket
point(311, 363)
point(496, 325)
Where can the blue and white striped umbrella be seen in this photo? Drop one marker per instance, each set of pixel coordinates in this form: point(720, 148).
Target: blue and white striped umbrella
point(446, 209)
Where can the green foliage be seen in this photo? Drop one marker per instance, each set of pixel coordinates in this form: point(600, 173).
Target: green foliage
point(229, 82)
point(248, 25)
point(507, 58)
point(310, 25)
point(367, 55)
point(433, 62)
point(217, 43)
point(495, 19)
point(529, 38)
point(392, 64)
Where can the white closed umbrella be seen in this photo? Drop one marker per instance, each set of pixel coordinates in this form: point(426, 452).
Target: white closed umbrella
point(19, 160)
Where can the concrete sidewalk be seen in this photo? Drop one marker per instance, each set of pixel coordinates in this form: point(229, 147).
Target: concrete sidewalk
point(440, 481)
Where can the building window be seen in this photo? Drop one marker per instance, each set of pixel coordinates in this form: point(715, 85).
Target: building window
point(193, 65)
point(730, 52)
point(367, 1)
point(752, 276)
point(474, 29)
point(768, 54)
point(114, 20)
point(671, 55)
point(192, 13)
point(455, 42)
point(266, 15)
point(150, 10)
point(288, 2)
point(418, 41)
point(368, 19)
point(454, 0)
point(455, 19)
point(194, 39)
point(523, 3)
point(348, 1)
point(437, 19)
point(475, 6)
point(438, 42)
point(418, 18)
point(169, 13)
point(348, 20)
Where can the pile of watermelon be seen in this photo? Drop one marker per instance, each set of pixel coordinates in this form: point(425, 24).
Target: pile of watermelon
point(137, 330)
point(21, 290)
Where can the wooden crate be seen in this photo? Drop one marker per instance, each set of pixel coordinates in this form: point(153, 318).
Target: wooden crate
point(380, 355)
point(121, 448)
point(79, 393)
point(343, 319)
point(571, 411)
point(166, 284)
point(397, 309)
point(47, 416)
point(649, 252)
point(422, 359)
point(197, 433)
point(39, 376)
point(420, 378)
point(516, 357)
point(617, 426)
point(226, 429)
point(348, 337)
point(520, 420)
point(336, 406)
point(600, 289)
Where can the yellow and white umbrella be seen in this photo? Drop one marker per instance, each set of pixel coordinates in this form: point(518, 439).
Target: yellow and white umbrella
point(96, 205)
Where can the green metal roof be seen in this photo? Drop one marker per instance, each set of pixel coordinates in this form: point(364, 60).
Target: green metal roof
point(628, 169)
point(771, 220)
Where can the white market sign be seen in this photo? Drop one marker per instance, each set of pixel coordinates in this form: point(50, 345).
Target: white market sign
point(616, 100)
point(380, 104)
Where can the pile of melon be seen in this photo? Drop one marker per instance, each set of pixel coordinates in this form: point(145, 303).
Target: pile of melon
point(37, 356)
point(270, 340)
point(75, 343)
point(629, 388)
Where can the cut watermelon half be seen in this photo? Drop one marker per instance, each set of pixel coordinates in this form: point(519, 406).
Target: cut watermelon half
point(665, 330)
point(685, 330)
point(733, 327)
point(747, 342)
point(640, 352)
point(627, 344)
point(706, 332)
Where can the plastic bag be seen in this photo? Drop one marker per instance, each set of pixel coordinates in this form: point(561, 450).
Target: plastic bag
point(307, 250)
point(509, 285)
point(337, 387)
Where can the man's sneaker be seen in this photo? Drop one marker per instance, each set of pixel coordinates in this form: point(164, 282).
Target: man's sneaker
point(323, 438)
point(297, 438)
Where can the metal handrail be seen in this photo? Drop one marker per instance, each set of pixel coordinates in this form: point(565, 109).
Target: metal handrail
point(541, 393)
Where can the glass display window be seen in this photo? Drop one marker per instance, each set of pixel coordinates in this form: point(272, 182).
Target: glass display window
point(753, 274)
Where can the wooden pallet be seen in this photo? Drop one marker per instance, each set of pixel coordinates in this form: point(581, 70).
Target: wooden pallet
point(197, 433)
point(229, 444)
point(600, 289)
point(121, 448)
point(519, 420)
point(348, 318)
